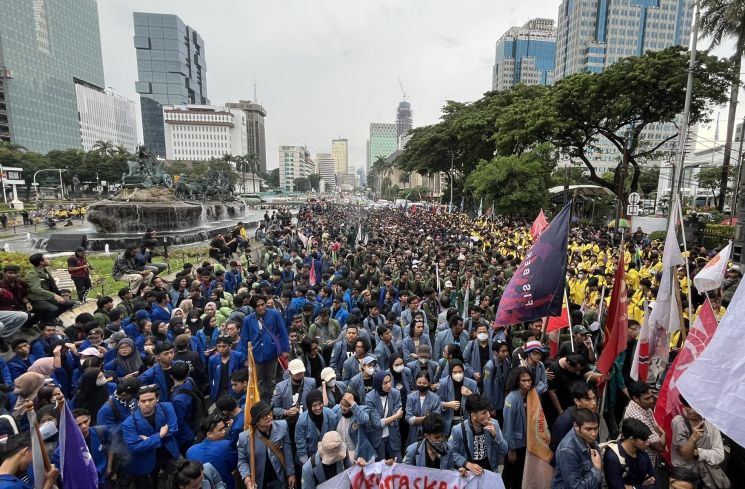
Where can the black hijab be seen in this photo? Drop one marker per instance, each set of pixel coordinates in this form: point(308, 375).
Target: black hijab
point(91, 396)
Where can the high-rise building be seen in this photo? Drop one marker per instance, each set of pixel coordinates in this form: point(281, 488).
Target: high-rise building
point(171, 71)
point(594, 34)
point(105, 116)
point(45, 45)
point(340, 152)
point(255, 136)
point(202, 132)
point(326, 167)
point(525, 55)
point(294, 162)
point(404, 119)
point(383, 141)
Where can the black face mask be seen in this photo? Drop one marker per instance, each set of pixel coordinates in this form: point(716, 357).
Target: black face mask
point(440, 447)
point(348, 414)
point(422, 388)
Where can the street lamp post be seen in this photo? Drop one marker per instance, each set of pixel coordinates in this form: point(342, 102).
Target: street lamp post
point(61, 183)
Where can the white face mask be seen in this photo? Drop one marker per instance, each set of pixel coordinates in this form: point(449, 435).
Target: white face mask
point(423, 361)
point(101, 381)
point(48, 429)
point(369, 370)
point(331, 383)
point(458, 377)
point(398, 368)
point(482, 336)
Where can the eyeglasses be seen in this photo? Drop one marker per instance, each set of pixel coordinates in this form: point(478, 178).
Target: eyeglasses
point(148, 388)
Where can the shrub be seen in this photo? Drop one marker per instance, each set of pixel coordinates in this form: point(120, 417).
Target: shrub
point(657, 235)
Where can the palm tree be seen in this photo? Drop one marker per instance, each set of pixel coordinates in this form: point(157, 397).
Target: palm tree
point(722, 20)
point(104, 148)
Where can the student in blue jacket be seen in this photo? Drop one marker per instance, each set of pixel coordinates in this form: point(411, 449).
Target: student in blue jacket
point(222, 365)
point(384, 405)
point(17, 459)
point(330, 461)
point(519, 383)
point(495, 377)
point(290, 395)
point(157, 374)
point(419, 404)
point(312, 424)
point(352, 426)
point(432, 450)
point(273, 470)
point(214, 449)
point(453, 391)
point(97, 438)
point(152, 426)
point(477, 443)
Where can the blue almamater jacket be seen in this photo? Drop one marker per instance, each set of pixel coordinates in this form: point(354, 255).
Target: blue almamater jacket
point(280, 436)
point(144, 451)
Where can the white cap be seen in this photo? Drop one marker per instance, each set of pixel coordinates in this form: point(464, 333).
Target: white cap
point(296, 366)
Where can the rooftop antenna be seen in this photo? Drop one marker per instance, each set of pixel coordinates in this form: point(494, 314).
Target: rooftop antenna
point(403, 92)
point(256, 99)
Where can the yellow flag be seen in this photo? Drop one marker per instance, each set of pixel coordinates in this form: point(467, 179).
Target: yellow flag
point(252, 390)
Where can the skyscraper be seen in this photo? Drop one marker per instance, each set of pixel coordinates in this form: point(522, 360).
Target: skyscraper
point(202, 132)
point(340, 153)
point(171, 71)
point(383, 141)
point(255, 136)
point(525, 55)
point(45, 45)
point(327, 169)
point(105, 116)
point(594, 34)
point(294, 162)
point(404, 119)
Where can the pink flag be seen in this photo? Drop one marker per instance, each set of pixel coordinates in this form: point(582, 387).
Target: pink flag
point(554, 326)
point(312, 275)
point(539, 225)
point(668, 401)
point(617, 322)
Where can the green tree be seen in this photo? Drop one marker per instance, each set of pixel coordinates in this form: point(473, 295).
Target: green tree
point(301, 184)
point(618, 105)
point(722, 20)
point(272, 178)
point(314, 179)
point(710, 178)
point(105, 148)
point(517, 184)
point(569, 175)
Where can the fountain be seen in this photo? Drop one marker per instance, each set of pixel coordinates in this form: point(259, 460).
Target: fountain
point(184, 213)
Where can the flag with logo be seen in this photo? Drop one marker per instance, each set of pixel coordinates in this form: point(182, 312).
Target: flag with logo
point(668, 401)
point(536, 289)
point(76, 464)
point(537, 472)
point(539, 225)
point(252, 389)
point(640, 362)
point(712, 275)
point(714, 383)
point(617, 322)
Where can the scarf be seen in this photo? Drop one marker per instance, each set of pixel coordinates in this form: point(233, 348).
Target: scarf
point(131, 363)
point(26, 387)
point(43, 366)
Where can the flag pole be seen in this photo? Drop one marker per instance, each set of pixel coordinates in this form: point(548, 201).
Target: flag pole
point(600, 315)
point(688, 273)
point(252, 427)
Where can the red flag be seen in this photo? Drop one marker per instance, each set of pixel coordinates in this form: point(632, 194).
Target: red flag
point(312, 278)
point(539, 225)
point(668, 401)
point(617, 325)
point(489, 212)
point(555, 324)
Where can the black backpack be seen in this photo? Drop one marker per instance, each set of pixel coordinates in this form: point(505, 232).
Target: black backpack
point(198, 407)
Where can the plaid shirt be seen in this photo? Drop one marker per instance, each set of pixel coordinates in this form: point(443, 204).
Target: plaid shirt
point(646, 416)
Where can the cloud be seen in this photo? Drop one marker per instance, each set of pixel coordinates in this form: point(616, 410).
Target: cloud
point(328, 68)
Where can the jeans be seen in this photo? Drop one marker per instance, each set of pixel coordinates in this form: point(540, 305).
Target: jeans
point(11, 322)
point(135, 280)
point(156, 268)
point(267, 374)
point(82, 285)
point(47, 311)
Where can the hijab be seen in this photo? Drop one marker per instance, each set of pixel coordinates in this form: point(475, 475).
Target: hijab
point(173, 313)
point(91, 396)
point(378, 378)
point(315, 396)
point(186, 305)
point(26, 387)
point(131, 363)
point(43, 366)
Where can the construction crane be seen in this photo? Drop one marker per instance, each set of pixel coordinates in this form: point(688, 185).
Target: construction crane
point(403, 92)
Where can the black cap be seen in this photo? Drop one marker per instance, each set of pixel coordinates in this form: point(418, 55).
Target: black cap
point(259, 410)
point(12, 268)
point(79, 249)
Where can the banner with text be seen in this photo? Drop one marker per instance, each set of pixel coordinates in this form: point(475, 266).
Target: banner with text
point(402, 476)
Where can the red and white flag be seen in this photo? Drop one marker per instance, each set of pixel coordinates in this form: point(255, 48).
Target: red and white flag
point(539, 225)
point(668, 401)
point(312, 275)
point(555, 325)
point(617, 322)
point(640, 363)
point(712, 275)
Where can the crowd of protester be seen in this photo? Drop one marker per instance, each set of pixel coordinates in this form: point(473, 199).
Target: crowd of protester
point(373, 338)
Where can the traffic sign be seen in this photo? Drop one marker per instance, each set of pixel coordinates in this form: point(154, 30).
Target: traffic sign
point(633, 210)
point(634, 198)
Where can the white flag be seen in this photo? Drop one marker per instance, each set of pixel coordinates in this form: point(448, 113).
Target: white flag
point(712, 275)
point(666, 313)
point(714, 384)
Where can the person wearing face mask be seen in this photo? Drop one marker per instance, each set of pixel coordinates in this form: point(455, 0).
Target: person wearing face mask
point(93, 392)
point(352, 426)
point(403, 382)
point(384, 404)
point(419, 404)
point(432, 449)
point(452, 391)
point(290, 396)
point(423, 363)
point(16, 459)
point(331, 389)
point(312, 425)
point(477, 353)
point(414, 340)
point(48, 426)
point(362, 383)
point(477, 443)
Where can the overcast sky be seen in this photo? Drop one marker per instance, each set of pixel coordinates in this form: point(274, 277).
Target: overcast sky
point(328, 68)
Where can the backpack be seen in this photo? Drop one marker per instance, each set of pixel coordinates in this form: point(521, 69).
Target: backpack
point(198, 408)
point(613, 446)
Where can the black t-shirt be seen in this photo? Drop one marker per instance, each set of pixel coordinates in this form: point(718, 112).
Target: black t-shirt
point(368, 384)
point(315, 368)
point(169, 379)
point(483, 355)
point(432, 463)
point(224, 379)
point(151, 419)
point(561, 384)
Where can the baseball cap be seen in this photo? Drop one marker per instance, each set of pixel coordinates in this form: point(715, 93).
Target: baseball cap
point(327, 374)
point(532, 345)
point(369, 360)
point(296, 366)
point(579, 329)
